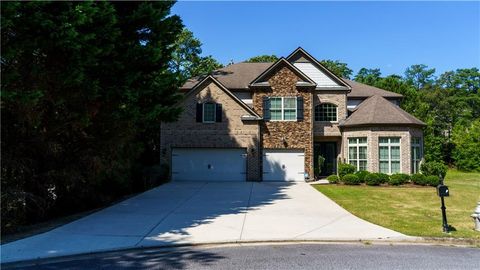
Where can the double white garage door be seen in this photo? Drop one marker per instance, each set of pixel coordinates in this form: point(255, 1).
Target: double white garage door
point(217, 164)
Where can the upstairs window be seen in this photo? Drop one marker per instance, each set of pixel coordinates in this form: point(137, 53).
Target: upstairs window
point(326, 112)
point(208, 112)
point(283, 108)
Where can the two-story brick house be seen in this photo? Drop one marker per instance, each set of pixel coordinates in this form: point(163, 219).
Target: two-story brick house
point(290, 120)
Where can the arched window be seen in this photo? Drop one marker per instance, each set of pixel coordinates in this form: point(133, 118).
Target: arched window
point(326, 112)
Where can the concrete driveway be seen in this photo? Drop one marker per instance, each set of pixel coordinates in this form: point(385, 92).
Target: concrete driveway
point(203, 212)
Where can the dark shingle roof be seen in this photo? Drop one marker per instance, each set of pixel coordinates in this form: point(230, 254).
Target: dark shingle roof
point(240, 75)
point(376, 110)
point(361, 90)
point(235, 76)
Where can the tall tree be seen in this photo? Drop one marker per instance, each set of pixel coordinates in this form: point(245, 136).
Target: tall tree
point(338, 68)
point(265, 58)
point(186, 60)
point(420, 76)
point(84, 87)
point(368, 76)
point(466, 80)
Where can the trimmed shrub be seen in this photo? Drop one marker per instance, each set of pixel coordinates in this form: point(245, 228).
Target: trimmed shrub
point(383, 177)
point(418, 179)
point(351, 179)
point(361, 175)
point(398, 179)
point(372, 179)
point(434, 168)
point(333, 179)
point(432, 180)
point(344, 169)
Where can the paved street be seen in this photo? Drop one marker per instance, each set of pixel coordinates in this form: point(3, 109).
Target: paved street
point(304, 256)
point(203, 212)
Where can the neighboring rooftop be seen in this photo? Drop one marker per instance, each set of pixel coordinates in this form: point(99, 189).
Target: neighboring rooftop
point(239, 76)
point(376, 110)
point(235, 76)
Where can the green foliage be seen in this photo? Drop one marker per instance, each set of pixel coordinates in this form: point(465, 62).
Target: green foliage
point(368, 76)
point(420, 76)
point(338, 68)
point(418, 179)
point(333, 179)
point(383, 177)
point(344, 169)
point(432, 180)
point(434, 168)
point(362, 175)
point(186, 60)
point(373, 179)
point(466, 153)
point(351, 179)
point(263, 59)
point(84, 86)
point(398, 179)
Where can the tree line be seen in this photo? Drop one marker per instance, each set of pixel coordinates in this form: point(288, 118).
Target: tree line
point(86, 84)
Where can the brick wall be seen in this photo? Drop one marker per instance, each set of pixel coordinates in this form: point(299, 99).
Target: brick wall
point(232, 132)
point(296, 134)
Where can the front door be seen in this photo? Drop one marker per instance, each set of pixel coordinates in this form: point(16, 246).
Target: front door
point(325, 158)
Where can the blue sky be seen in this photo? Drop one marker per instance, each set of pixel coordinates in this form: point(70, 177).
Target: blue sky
point(386, 35)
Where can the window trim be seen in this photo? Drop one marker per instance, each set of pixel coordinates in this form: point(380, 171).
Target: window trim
point(357, 145)
point(214, 112)
point(282, 109)
point(413, 160)
point(325, 121)
point(389, 144)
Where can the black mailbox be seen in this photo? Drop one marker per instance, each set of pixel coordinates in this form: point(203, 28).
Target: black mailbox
point(442, 191)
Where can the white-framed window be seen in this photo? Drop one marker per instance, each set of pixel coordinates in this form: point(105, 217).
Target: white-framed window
point(283, 108)
point(416, 154)
point(357, 153)
point(209, 112)
point(326, 112)
point(389, 154)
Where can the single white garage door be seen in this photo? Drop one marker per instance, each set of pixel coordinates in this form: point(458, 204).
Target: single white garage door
point(208, 164)
point(283, 165)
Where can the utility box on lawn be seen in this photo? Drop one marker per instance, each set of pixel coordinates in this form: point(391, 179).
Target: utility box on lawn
point(442, 191)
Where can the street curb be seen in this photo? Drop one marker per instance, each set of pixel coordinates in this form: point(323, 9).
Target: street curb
point(445, 242)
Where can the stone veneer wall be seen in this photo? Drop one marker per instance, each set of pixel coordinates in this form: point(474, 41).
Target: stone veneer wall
point(338, 98)
point(297, 134)
point(373, 133)
point(232, 132)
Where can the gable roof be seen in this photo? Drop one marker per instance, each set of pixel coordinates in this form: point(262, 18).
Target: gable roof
point(260, 80)
point(304, 56)
point(235, 76)
point(360, 90)
point(210, 78)
point(376, 110)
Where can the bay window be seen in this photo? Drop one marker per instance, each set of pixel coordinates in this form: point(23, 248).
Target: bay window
point(357, 153)
point(389, 154)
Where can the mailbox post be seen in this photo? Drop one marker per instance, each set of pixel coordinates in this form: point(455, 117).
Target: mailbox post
point(442, 191)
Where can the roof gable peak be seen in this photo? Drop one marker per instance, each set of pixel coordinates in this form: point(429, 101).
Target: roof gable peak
point(299, 55)
point(260, 80)
point(225, 89)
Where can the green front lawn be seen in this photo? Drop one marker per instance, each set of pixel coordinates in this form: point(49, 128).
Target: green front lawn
point(413, 210)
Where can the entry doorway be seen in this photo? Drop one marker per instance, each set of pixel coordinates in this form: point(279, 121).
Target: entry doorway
point(325, 158)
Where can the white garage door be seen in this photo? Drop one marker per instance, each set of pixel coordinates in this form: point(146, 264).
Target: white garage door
point(208, 164)
point(283, 165)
